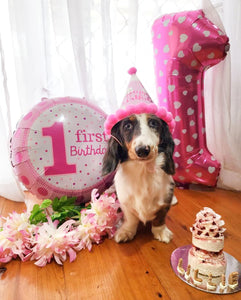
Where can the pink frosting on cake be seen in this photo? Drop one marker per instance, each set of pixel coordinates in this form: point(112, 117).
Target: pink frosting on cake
point(207, 231)
point(206, 255)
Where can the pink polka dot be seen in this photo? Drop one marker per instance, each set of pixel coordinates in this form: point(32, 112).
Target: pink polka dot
point(42, 191)
point(24, 180)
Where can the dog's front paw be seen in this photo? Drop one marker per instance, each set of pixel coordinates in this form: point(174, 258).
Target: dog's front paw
point(124, 235)
point(162, 233)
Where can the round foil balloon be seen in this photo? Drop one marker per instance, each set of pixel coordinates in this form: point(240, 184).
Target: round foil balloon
point(185, 45)
point(57, 149)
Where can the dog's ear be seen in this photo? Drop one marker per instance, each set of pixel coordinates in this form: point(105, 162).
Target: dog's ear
point(115, 152)
point(111, 157)
point(167, 146)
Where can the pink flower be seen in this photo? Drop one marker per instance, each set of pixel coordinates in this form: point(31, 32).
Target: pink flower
point(14, 234)
point(99, 221)
point(52, 242)
point(48, 241)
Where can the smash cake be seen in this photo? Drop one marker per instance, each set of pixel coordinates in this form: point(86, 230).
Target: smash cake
point(206, 258)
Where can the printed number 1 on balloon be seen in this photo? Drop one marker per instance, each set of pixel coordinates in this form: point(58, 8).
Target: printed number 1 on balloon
point(60, 166)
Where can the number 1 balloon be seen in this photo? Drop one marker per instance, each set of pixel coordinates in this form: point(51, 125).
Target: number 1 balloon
point(185, 45)
point(57, 149)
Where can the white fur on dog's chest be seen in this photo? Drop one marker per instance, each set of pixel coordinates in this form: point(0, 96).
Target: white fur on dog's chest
point(142, 188)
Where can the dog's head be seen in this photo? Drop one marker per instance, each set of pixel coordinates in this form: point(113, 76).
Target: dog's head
point(139, 137)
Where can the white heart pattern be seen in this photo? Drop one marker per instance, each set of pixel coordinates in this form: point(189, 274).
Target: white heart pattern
point(166, 22)
point(195, 135)
point(192, 123)
point(188, 78)
point(177, 154)
point(189, 148)
point(195, 98)
point(196, 47)
point(189, 161)
point(206, 33)
point(184, 93)
point(194, 25)
point(175, 72)
point(194, 63)
point(159, 89)
point(211, 169)
point(181, 19)
point(170, 32)
point(190, 111)
point(199, 174)
point(211, 55)
point(160, 73)
point(184, 131)
point(166, 49)
point(177, 119)
point(177, 141)
point(183, 37)
point(180, 54)
point(159, 36)
point(171, 88)
point(177, 104)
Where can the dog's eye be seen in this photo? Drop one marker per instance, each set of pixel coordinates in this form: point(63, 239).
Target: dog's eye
point(153, 123)
point(128, 126)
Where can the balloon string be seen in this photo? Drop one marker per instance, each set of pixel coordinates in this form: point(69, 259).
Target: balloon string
point(116, 139)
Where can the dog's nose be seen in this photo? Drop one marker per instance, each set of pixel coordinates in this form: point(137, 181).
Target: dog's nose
point(142, 151)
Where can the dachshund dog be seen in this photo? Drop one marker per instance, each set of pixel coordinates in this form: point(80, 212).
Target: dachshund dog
point(140, 150)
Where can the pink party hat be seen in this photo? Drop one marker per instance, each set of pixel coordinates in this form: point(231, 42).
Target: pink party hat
point(137, 101)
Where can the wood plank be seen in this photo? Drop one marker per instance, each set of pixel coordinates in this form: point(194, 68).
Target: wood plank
point(139, 269)
point(111, 271)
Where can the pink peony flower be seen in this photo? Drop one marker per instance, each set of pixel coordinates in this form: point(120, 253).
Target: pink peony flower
point(52, 242)
point(14, 235)
point(99, 221)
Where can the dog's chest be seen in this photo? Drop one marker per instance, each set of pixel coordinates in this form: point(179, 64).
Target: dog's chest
point(141, 190)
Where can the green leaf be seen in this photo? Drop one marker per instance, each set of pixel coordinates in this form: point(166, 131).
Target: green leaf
point(63, 203)
point(46, 203)
point(63, 209)
point(37, 215)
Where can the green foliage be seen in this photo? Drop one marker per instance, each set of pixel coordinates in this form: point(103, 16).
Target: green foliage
point(61, 209)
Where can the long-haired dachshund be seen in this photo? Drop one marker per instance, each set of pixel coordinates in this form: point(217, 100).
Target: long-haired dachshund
point(140, 150)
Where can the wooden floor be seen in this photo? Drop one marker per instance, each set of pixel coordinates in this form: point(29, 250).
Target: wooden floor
point(136, 270)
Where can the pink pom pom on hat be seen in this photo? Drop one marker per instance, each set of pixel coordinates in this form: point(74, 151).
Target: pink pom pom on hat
point(137, 101)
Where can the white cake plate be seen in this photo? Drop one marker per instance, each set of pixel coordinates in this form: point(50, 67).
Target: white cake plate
point(233, 265)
